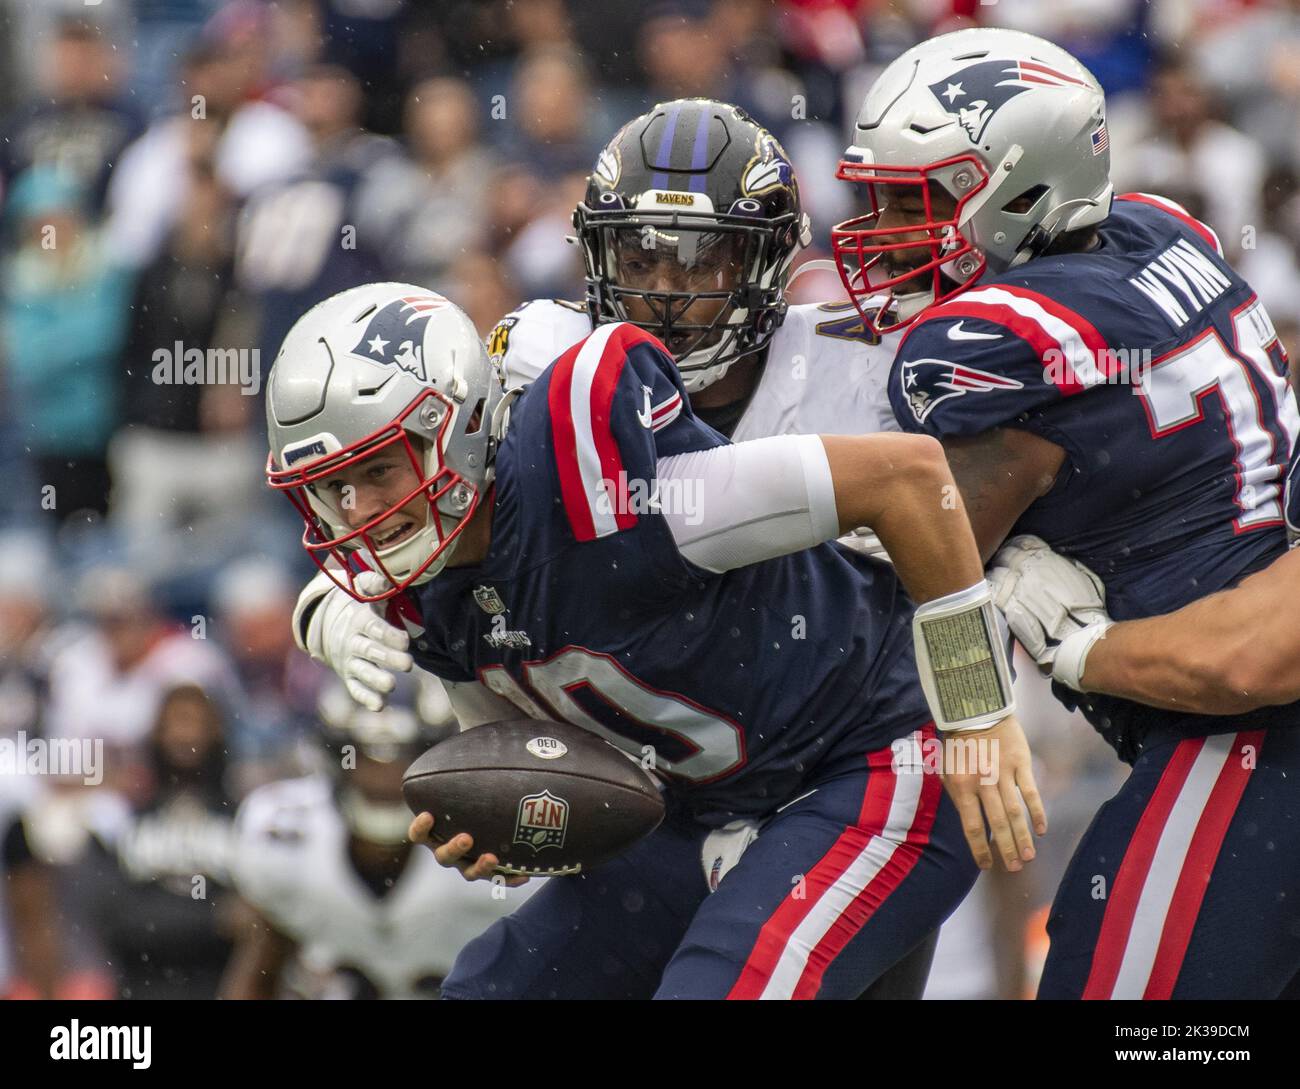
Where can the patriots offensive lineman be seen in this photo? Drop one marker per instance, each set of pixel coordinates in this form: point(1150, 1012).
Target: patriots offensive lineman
point(770, 676)
point(1101, 379)
point(339, 904)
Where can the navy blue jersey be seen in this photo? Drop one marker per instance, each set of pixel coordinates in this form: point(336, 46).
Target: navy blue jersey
point(1156, 369)
point(743, 685)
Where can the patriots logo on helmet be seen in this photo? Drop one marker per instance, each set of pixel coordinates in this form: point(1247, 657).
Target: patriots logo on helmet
point(977, 92)
point(395, 333)
point(926, 382)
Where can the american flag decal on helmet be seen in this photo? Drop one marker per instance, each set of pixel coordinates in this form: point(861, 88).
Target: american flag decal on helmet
point(1100, 139)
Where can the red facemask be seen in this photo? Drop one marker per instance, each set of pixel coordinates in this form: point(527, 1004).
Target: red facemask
point(860, 244)
point(299, 484)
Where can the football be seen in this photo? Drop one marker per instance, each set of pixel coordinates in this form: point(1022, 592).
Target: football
point(546, 798)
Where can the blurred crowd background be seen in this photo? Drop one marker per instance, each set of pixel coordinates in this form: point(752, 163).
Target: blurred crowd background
point(197, 173)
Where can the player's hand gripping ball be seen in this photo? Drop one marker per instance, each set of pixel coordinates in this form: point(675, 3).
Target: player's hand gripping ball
point(533, 798)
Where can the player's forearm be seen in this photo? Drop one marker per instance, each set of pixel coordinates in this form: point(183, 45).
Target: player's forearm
point(1156, 662)
point(1226, 654)
point(768, 497)
point(901, 486)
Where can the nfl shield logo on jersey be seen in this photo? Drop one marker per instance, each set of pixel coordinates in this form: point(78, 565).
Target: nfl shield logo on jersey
point(489, 600)
point(543, 820)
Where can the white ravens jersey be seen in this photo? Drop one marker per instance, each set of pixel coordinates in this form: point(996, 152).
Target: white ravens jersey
point(291, 863)
point(824, 375)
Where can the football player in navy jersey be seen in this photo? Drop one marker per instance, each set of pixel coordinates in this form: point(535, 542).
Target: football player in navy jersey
point(592, 552)
point(1100, 379)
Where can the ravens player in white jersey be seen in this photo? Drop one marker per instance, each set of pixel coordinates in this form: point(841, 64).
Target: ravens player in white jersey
point(689, 227)
point(338, 903)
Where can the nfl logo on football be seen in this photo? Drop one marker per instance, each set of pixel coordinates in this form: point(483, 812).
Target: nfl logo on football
point(543, 820)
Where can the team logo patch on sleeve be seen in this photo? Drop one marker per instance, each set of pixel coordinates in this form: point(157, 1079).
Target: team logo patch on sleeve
point(498, 341)
point(926, 382)
point(543, 821)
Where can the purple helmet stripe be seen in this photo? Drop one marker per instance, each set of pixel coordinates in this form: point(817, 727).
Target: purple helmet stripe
point(660, 179)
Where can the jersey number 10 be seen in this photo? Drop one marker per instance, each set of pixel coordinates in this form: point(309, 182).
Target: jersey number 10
point(716, 744)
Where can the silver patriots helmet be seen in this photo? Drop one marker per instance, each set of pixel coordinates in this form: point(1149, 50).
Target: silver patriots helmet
point(383, 368)
point(1010, 126)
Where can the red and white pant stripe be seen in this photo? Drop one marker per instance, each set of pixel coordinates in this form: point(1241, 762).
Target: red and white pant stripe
point(1161, 882)
point(850, 882)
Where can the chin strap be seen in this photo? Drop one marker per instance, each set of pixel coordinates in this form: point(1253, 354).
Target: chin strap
point(500, 424)
point(1040, 237)
point(501, 413)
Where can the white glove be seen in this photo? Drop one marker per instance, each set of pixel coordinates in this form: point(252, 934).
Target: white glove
point(353, 638)
point(1055, 607)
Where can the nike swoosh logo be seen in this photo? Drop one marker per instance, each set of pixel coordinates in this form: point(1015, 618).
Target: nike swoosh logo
point(958, 333)
point(644, 415)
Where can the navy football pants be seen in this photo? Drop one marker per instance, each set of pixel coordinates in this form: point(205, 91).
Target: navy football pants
point(839, 885)
point(1187, 882)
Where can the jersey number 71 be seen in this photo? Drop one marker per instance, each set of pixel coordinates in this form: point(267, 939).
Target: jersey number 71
point(1250, 379)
